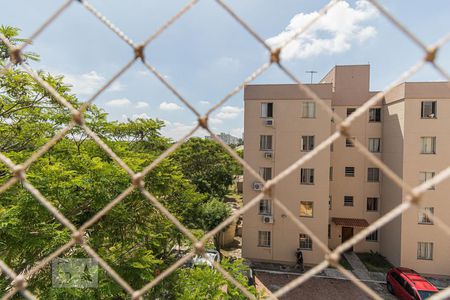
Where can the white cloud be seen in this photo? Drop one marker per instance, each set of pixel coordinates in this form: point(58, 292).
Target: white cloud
point(332, 33)
point(118, 102)
point(237, 132)
point(125, 118)
point(215, 121)
point(229, 112)
point(89, 83)
point(177, 130)
point(169, 106)
point(141, 104)
point(116, 86)
point(204, 102)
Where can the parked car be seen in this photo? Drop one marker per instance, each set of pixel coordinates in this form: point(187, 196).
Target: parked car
point(408, 284)
point(211, 254)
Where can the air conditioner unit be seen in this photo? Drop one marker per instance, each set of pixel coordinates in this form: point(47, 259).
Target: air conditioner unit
point(267, 219)
point(268, 154)
point(268, 122)
point(257, 186)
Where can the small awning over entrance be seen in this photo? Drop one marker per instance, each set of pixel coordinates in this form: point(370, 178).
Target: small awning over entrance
point(350, 222)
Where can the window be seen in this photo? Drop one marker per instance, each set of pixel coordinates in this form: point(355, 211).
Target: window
point(307, 143)
point(305, 242)
point(309, 110)
point(373, 237)
point(265, 142)
point(374, 145)
point(423, 217)
point(348, 200)
point(425, 250)
point(373, 175)
point(264, 239)
point(306, 209)
point(349, 142)
point(266, 110)
point(307, 176)
point(424, 176)
point(428, 110)
point(330, 202)
point(331, 147)
point(265, 207)
point(350, 111)
point(375, 115)
point(372, 204)
point(329, 231)
point(428, 145)
point(266, 173)
point(331, 173)
point(349, 171)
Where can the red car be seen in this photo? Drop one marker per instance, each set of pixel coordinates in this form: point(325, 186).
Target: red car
point(408, 284)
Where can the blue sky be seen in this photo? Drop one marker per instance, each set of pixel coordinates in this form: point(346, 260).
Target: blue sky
point(206, 53)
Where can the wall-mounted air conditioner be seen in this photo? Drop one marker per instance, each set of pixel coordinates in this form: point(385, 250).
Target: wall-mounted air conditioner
point(267, 219)
point(257, 186)
point(268, 122)
point(268, 154)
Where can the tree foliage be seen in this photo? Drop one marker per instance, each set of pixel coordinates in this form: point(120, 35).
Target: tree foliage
point(79, 179)
point(209, 167)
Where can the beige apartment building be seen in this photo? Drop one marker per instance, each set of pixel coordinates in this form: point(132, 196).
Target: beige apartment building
point(339, 192)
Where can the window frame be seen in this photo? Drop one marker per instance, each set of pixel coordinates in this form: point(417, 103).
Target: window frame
point(312, 209)
point(370, 172)
point(307, 173)
point(306, 240)
point(267, 104)
point(263, 142)
point(427, 251)
point(371, 143)
point(263, 172)
point(373, 237)
point(423, 145)
point(306, 110)
point(268, 206)
point(377, 116)
point(377, 202)
point(423, 219)
point(348, 143)
point(426, 173)
point(308, 143)
point(346, 197)
point(350, 110)
point(349, 171)
point(267, 238)
point(433, 109)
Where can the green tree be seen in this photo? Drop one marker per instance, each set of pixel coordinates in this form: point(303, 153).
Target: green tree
point(79, 179)
point(209, 167)
point(213, 213)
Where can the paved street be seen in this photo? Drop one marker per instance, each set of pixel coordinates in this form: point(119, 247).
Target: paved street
point(320, 288)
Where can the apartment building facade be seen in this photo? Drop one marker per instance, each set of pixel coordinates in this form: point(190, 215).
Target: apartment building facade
point(339, 192)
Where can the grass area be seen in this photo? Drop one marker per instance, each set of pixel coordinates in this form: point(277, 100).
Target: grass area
point(375, 262)
point(345, 264)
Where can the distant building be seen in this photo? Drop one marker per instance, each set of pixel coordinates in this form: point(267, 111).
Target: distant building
point(227, 138)
point(340, 192)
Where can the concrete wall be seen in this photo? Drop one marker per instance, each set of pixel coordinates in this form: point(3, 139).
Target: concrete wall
point(288, 128)
point(400, 131)
point(414, 162)
point(391, 194)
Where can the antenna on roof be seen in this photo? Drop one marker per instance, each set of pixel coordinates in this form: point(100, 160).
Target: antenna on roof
point(312, 74)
